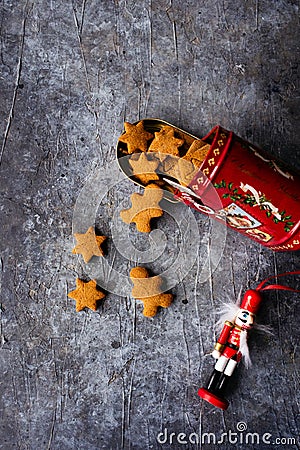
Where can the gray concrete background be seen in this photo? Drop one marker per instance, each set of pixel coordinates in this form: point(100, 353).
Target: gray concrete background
point(71, 73)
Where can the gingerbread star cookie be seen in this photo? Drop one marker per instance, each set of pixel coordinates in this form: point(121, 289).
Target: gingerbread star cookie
point(169, 163)
point(148, 290)
point(88, 244)
point(144, 168)
point(136, 137)
point(86, 295)
point(197, 152)
point(185, 172)
point(144, 208)
point(165, 142)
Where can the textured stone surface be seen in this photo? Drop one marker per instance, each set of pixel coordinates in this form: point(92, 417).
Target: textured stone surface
point(71, 73)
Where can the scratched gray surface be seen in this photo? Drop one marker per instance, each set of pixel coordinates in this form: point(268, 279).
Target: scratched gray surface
point(71, 73)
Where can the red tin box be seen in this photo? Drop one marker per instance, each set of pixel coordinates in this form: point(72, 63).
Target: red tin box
point(259, 196)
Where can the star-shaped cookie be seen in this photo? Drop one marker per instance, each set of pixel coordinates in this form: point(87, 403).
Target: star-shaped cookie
point(179, 168)
point(136, 137)
point(144, 168)
point(166, 142)
point(197, 152)
point(88, 244)
point(144, 208)
point(86, 295)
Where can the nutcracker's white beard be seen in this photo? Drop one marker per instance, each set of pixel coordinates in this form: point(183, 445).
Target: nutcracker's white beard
point(244, 349)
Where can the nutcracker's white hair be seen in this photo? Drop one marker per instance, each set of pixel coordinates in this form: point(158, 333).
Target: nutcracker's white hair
point(228, 312)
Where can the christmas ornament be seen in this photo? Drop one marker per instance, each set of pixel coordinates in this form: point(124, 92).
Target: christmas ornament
point(232, 346)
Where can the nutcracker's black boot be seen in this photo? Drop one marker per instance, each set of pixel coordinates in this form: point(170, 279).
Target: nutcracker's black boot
point(222, 385)
point(213, 390)
point(214, 381)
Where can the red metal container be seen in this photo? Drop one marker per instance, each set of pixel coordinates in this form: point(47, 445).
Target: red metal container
point(260, 197)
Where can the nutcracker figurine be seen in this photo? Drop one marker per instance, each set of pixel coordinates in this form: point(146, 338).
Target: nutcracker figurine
point(232, 346)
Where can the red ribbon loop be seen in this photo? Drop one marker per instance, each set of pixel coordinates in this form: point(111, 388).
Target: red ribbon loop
point(261, 286)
